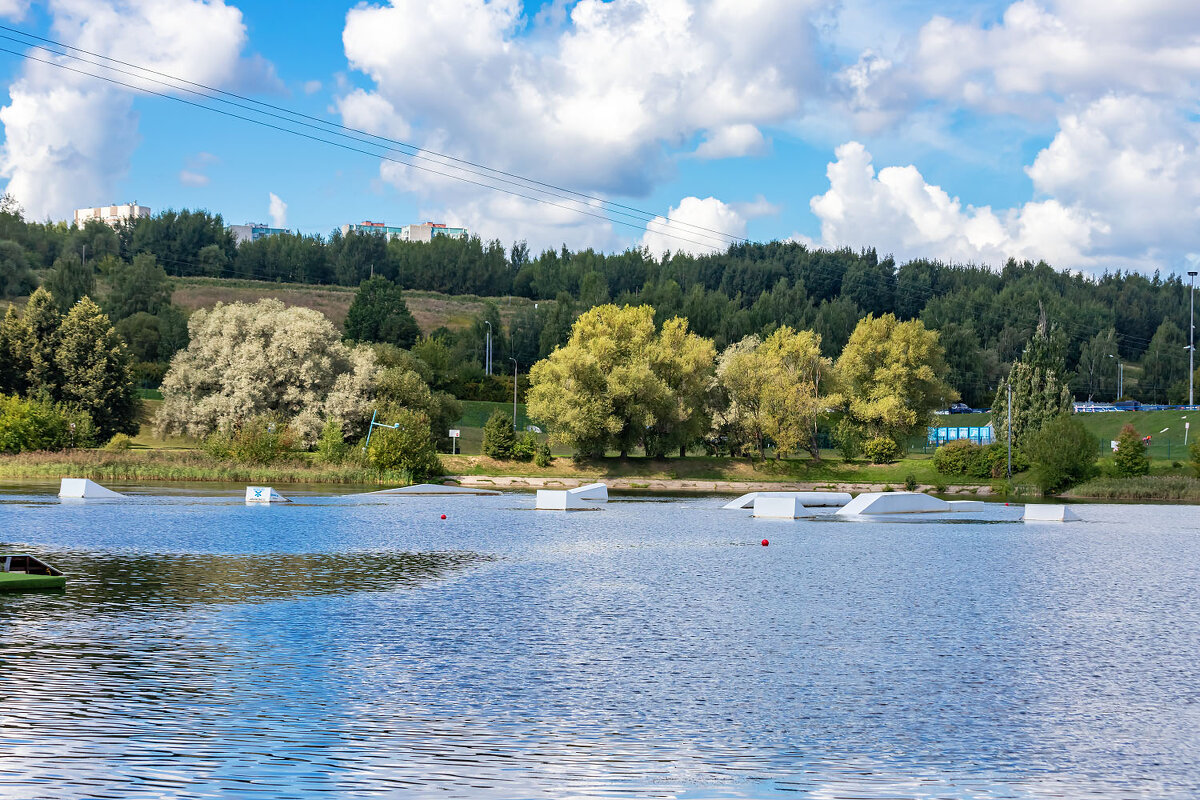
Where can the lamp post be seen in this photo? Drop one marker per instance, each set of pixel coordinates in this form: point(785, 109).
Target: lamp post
point(1192, 340)
point(487, 350)
point(514, 392)
point(1120, 377)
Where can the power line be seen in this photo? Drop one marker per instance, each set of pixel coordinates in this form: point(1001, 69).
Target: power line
point(645, 219)
point(395, 142)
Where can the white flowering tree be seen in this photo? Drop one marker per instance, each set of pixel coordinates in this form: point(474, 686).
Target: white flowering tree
point(248, 360)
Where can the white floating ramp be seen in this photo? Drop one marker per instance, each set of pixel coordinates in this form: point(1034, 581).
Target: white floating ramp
point(807, 499)
point(869, 503)
point(264, 494)
point(779, 507)
point(591, 491)
point(1040, 512)
point(561, 500)
point(84, 489)
point(434, 488)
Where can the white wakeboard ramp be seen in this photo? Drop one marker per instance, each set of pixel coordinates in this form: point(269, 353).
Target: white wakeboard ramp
point(1041, 512)
point(581, 497)
point(872, 503)
point(84, 489)
point(591, 491)
point(264, 494)
point(783, 506)
point(807, 499)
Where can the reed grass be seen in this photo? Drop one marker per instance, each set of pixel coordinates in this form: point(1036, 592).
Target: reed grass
point(1147, 487)
point(176, 465)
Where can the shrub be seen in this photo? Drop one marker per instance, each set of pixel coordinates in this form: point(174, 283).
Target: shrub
point(1194, 451)
point(38, 425)
point(881, 450)
point(848, 438)
point(1063, 454)
point(119, 442)
point(542, 457)
point(910, 482)
point(956, 458)
point(408, 447)
point(1130, 459)
point(525, 447)
point(499, 440)
point(331, 445)
point(259, 440)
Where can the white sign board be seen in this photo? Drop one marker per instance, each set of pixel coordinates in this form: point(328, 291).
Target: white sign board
point(454, 433)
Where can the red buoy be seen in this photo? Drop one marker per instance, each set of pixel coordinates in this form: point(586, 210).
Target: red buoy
point(765, 543)
point(443, 516)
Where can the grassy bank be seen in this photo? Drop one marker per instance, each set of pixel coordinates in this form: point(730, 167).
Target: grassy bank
point(1148, 487)
point(430, 309)
point(194, 465)
point(703, 468)
point(179, 465)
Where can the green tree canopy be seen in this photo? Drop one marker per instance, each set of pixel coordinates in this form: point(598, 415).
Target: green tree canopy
point(42, 319)
point(1062, 453)
point(618, 383)
point(246, 360)
point(69, 281)
point(777, 387)
point(96, 371)
point(1165, 365)
point(891, 378)
point(15, 277)
point(1130, 459)
point(140, 286)
point(379, 314)
point(1039, 391)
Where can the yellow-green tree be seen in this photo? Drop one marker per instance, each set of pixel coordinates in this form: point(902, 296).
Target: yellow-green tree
point(776, 388)
point(737, 417)
point(794, 400)
point(890, 375)
point(618, 383)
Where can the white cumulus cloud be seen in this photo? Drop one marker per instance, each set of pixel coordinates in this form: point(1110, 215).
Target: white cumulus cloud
point(695, 226)
point(277, 209)
point(68, 138)
point(600, 98)
point(897, 211)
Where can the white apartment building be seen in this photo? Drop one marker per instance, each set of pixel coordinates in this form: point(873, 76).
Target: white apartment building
point(111, 215)
point(423, 232)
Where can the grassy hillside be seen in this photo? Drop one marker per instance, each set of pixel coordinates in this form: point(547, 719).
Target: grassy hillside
point(431, 310)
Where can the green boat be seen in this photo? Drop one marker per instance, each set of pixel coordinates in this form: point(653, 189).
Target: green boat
point(24, 573)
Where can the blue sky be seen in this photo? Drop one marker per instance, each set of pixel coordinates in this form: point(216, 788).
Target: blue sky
point(1059, 129)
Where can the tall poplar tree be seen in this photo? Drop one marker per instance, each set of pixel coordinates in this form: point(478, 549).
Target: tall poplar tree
point(1039, 390)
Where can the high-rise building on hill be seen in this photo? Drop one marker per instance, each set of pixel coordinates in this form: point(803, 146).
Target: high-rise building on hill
point(111, 215)
point(424, 232)
point(253, 231)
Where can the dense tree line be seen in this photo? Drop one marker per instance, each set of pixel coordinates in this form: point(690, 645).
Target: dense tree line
point(985, 316)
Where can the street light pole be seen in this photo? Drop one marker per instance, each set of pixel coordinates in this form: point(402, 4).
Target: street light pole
point(1010, 431)
point(514, 392)
point(1192, 341)
point(487, 350)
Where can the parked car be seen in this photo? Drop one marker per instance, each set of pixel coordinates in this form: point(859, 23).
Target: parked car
point(960, 408)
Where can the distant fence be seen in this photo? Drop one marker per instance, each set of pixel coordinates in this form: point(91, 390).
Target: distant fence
point(978, 435)
point(1099, 408)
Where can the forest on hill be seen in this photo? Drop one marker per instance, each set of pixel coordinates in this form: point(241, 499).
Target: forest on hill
point(984, 316)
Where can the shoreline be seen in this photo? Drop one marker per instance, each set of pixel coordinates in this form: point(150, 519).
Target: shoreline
point(688, 486)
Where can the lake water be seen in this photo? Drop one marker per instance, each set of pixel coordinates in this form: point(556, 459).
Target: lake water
point(353, 647)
